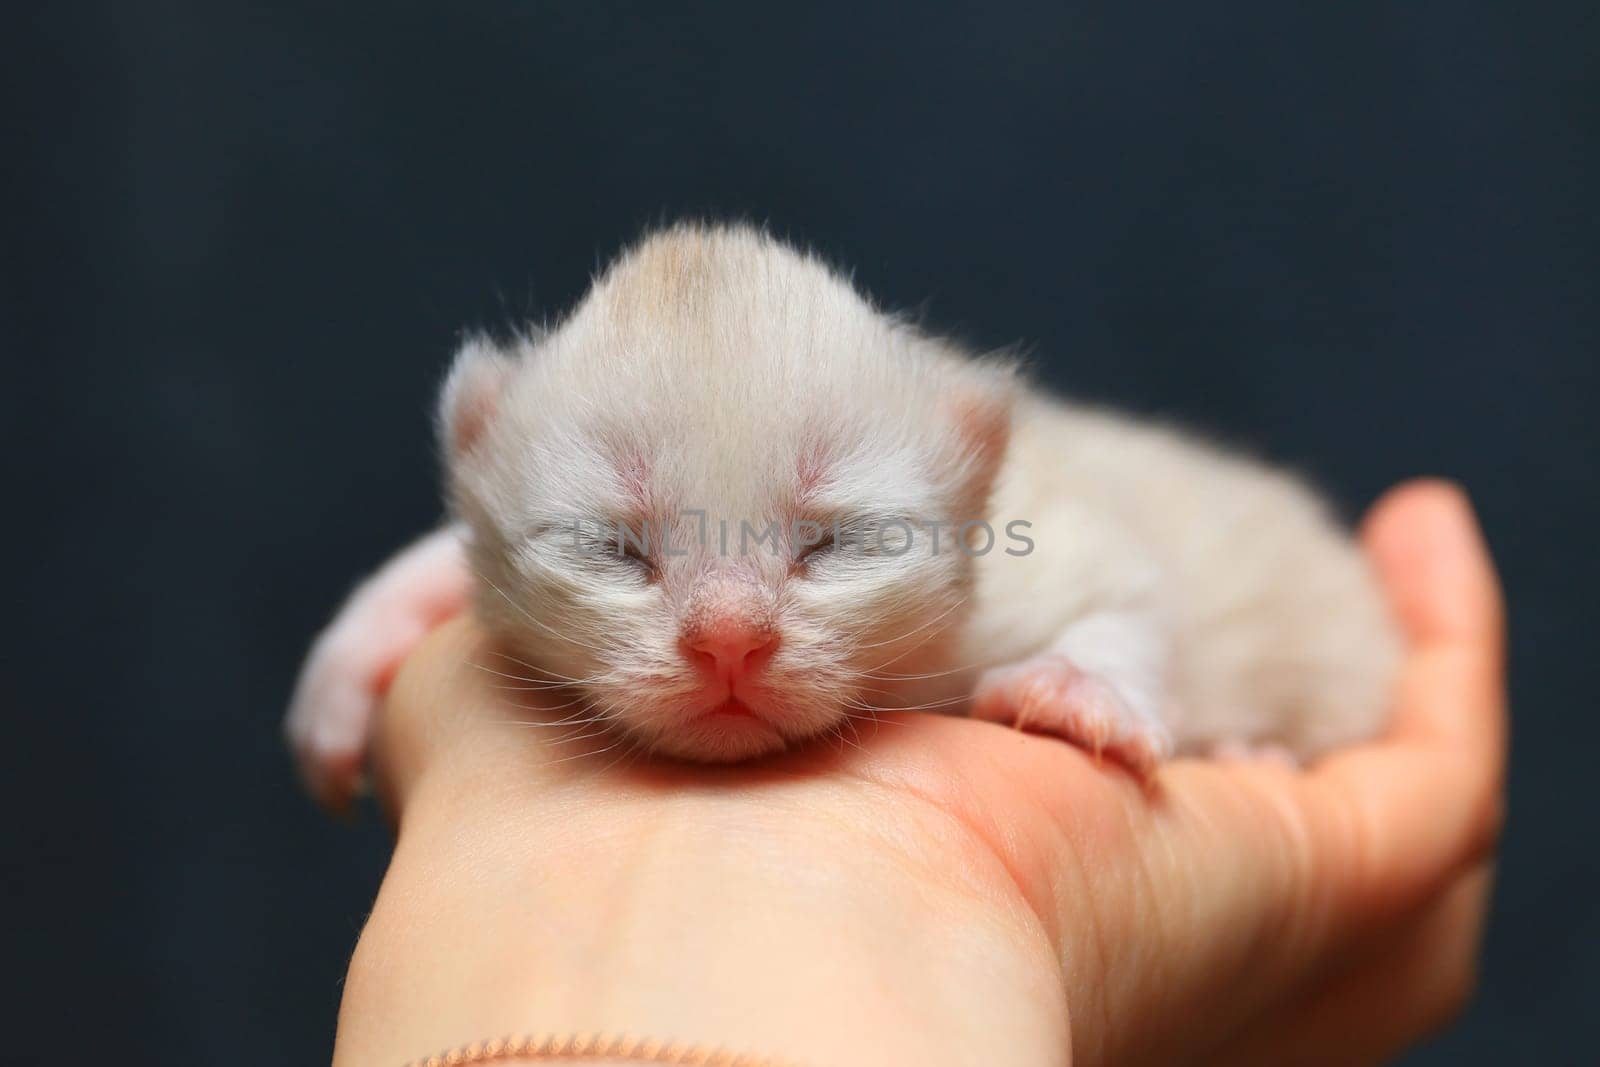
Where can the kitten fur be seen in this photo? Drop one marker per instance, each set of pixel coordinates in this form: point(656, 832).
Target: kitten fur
point(1177, 597)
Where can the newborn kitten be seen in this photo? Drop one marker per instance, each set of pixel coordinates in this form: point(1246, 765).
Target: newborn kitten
point(731, 505)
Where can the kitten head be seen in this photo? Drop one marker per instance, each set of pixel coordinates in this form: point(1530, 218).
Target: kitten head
point(723, 496)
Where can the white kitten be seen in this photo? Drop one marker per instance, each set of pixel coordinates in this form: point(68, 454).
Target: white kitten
point(732, 504)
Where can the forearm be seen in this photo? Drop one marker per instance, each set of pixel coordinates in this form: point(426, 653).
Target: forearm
point(514, 906)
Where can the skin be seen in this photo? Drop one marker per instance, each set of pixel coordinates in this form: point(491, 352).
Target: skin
point(948, 890)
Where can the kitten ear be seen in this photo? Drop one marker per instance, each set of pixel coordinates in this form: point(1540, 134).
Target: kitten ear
point(979, 405)
point(472, 393)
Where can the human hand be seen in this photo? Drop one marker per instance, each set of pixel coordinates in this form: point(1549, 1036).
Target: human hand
point(942, 890)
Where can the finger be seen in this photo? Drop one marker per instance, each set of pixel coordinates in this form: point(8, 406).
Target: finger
point(1416, 980)
point(1296, 866)
point(1424, 802)
point(1430, 556)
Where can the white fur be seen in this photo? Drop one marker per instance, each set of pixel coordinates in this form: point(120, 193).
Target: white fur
point(1272, 627)
point(352, 661)
point(713, 368)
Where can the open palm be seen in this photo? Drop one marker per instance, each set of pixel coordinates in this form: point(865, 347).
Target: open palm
point(1226, 911)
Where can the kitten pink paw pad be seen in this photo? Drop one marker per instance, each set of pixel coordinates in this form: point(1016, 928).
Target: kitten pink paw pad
point(1048, 694)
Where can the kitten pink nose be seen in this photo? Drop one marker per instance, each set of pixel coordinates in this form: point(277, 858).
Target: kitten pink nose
point(730, 648)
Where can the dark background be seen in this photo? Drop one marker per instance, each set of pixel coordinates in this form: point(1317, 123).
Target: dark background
point(238, 244)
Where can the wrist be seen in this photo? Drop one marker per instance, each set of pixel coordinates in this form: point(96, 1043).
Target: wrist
point(699, 915)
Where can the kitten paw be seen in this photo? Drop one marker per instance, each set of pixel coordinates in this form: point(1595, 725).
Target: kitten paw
point(1048, 694)
point(334, 704)
point(342, 684)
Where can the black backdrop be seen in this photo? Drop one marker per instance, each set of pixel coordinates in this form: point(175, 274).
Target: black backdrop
point(238, 244)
